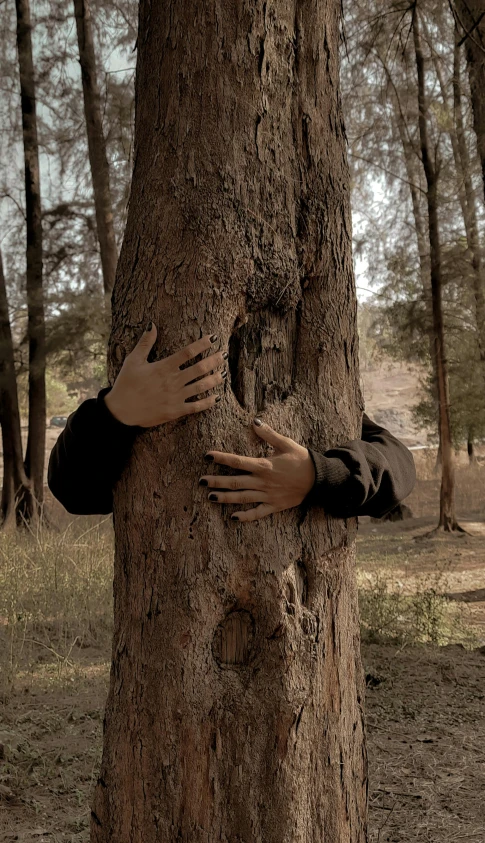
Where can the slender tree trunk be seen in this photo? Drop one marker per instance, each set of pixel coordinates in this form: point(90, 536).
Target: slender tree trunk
point(423, 248)
point(235, 703)
point(447, 520)
point(16, 486)
point(470, 15)
point(470, 446)
point(470, 210)
point(96, 144)
point(35, 454)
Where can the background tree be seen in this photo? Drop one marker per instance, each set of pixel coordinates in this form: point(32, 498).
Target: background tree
point(235, 703)
point(96, 144)
point(35, 453)
point(470, 18)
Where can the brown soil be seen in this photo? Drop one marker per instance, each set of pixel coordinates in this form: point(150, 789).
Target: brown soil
point(426, 730)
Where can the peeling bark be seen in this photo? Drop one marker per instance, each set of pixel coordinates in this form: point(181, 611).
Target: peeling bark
point(235, 704)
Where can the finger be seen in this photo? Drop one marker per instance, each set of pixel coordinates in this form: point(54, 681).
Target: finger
point(237, 481)
point(235, 461)
point(277, 440)
point(203, 385)
point(145, 343)
point(255, 514)
point(243, 496)
point(208, 364)
point(190, 351)
point(191, 407)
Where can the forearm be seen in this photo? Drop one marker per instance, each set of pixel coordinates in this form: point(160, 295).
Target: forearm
point(369, 476)
point(88, 458)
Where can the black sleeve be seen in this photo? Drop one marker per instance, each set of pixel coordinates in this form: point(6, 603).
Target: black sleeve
point(88, 458)
point(367, 476)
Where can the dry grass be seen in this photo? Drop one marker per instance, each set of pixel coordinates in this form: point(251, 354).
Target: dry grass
point(55, 595)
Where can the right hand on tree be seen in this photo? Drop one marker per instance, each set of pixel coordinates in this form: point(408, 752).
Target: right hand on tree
point(147, 394)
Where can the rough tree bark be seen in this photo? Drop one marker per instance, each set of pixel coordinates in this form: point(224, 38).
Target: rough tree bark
point(447, 519)
point(16, 485)
point(96, 145)
point(35, 452)
point(235, 704)
point(470, 16)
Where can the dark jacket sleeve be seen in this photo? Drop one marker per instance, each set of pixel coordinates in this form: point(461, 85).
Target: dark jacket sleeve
point(367, 476)
point(88, 458)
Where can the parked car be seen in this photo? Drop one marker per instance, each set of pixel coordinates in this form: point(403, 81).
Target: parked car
point(58, 421)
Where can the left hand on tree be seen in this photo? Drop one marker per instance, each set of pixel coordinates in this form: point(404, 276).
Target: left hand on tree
point(275, 483)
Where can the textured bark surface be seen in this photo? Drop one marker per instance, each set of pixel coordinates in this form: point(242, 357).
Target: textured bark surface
point(235, 704)
point(15, 486)
point(447, 520)
point(470, 15)
point(96, 144)
point(35, 453)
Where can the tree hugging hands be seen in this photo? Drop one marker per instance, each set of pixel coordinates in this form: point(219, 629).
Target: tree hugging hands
point(275, 483)
point(148, 394)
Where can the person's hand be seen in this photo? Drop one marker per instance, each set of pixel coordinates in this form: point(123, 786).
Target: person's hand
point(279, 482)
point(147, 394)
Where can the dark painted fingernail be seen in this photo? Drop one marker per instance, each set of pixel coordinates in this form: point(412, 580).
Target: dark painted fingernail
point(225, 355)
point(224, 374)
point(203, 482)
point(148, 327)
point(213, 497)
point(209, 458)
point(214, 338)
point(234, 518)
point(258, 422)
point(218, 399)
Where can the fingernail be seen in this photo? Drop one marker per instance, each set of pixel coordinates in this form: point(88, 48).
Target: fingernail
point(224, 374)
point(218, 399)
point(213, 497)
point(234, 518)
point(209, 458)
point(148, 327)
point(203, 482)
point(257, 422)
point(225, 355)
point(214, 338)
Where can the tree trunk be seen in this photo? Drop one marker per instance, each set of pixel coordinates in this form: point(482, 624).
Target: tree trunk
point(35, 454)
point(235, 703)
point(470, 209)
point(447, 520)
point(16, 486)
point(470, 15)
point(470, 446)
point(97, 146)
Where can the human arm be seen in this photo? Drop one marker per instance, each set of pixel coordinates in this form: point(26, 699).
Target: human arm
point(366, 476)
point(93, 448)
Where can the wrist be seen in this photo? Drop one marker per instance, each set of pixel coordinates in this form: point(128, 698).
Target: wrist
point(118, 413)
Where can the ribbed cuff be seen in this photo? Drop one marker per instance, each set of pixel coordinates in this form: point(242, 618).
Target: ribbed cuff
point(330, 475)
point(108, 420)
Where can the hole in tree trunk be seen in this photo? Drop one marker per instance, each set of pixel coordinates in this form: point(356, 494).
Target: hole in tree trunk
point(232, 643)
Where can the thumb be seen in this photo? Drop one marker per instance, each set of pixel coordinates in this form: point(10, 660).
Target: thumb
point(144, 345)
point(264, 431)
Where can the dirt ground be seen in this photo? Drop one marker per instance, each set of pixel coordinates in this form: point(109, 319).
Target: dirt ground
point(425, 725)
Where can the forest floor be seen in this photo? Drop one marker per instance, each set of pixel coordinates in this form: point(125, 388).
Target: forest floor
point(425, 713)
point(425, 735)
